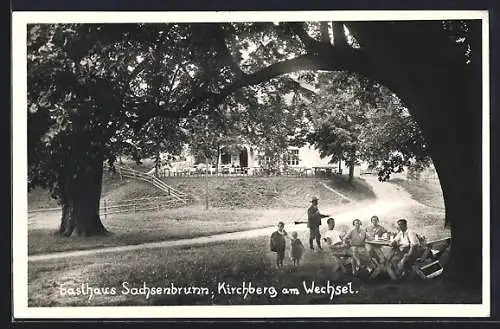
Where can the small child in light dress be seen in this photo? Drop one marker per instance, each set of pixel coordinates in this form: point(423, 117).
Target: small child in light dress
point(297, 249)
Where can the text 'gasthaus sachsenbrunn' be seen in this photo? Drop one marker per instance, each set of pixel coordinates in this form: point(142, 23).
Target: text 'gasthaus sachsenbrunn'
point(245, 289)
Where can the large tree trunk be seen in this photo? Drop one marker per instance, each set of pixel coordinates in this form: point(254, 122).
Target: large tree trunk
point(444, 94)
point(452, 123)
point(461, 169)
point(81, 201)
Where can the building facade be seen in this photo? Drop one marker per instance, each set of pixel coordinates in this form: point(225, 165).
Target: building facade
point(297, 157)
point(249, 160)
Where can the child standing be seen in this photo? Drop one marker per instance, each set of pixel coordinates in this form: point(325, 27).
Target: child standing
point(297, 249)
point(278, 243)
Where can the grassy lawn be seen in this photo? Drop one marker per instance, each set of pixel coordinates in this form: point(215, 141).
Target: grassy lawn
point(163, 225)
point(256, 192)
point(235, 204)
point(427, 193)
point(40, 198)
point(234, 262)
point(168, 224)
point(207, 266)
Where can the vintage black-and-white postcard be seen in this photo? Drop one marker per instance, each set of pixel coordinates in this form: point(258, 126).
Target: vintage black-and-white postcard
point(251, 164)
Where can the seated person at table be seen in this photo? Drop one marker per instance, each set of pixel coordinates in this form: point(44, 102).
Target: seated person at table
point(356, 238)
point(334, 239)
point(371, 231)
point(405, 246)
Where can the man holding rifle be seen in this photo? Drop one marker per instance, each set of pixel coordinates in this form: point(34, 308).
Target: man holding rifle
point(313, 223)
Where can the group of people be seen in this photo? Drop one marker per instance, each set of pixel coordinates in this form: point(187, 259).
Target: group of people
point(351, 244)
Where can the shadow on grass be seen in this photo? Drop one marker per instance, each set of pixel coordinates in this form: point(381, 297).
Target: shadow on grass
point(358, 190)
point(259, 272)
point(232, 264)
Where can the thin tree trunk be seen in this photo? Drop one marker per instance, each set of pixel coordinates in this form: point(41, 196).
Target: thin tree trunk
point(217, 160)
point(206, 178)
point(157, 163)
point(351, 173)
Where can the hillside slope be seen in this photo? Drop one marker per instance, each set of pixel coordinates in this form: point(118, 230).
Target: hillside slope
point(267, 192)
point(113, 188)
point(229, 192)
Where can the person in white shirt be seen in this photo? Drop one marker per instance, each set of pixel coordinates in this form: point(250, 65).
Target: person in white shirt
point(404, 245)
point(333, 238)
point(331, 235)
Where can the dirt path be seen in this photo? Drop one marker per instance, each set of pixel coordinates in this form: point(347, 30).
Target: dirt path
point(389, 197)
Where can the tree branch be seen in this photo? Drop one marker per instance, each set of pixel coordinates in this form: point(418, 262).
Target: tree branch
point(220, 37)
point(171, 85)
point(310, 44)
point(339, 38)
point(345, 59)
point(325, 35)
point(336, 59)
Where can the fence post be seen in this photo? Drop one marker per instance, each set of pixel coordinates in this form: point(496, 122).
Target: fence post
point(105, 209)
point(135, 206)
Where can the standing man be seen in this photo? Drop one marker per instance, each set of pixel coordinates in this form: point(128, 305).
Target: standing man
point(313, 222)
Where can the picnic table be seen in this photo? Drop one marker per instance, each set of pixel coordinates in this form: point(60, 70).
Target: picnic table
point(383, 265)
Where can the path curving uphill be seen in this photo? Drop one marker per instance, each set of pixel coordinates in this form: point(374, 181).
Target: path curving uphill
point(389, 197)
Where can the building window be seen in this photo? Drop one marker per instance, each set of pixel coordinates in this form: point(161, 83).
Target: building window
point(264, 160)
point(225, 158)
point(293, 157)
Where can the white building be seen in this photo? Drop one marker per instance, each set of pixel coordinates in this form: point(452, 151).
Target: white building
point(298, 158)
point(249, 160)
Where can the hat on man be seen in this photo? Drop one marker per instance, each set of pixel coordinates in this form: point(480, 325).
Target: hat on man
point(314, 199)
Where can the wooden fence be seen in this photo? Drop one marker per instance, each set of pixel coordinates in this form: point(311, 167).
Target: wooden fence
point(248, 172)
point(108, 207)
point(142, 204)
point(158, 183)
point(173, 197)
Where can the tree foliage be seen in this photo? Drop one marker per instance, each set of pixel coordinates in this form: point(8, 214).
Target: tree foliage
point(357, 119)
point(97, 89)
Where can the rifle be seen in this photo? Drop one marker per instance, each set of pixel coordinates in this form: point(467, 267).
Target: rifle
point(305, 221)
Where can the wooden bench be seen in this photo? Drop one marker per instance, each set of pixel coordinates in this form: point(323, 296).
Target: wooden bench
point(433, 256)
point(429, 259)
